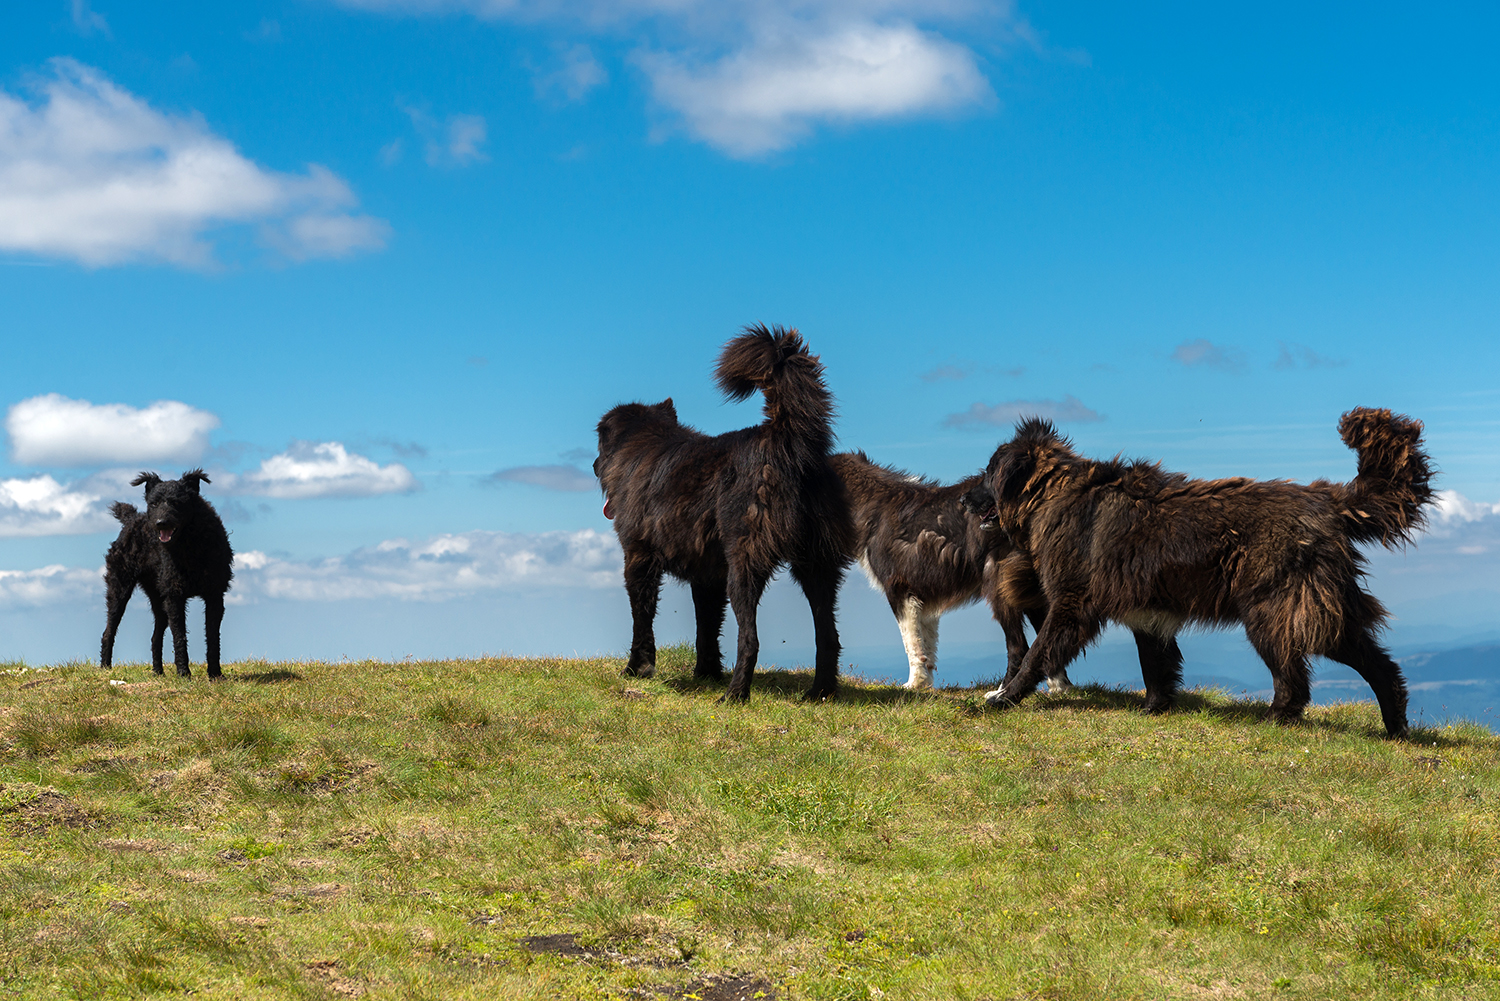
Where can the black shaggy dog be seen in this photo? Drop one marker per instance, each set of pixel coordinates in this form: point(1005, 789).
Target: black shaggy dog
point(723, 513)
point(921, 550)
point(175, 551)
point(1129, 542)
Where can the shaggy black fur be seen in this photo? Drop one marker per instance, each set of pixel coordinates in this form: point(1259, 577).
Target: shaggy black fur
point(1129, 542)
point(927, 557)
point(723, 513)
point(175, 551)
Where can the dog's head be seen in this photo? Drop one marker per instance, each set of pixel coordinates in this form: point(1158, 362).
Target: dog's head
point(629, 422)
point(172, 505)
point(1020, 465)
point(979, 502)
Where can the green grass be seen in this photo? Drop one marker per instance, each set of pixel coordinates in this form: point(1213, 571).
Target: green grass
point(380, 830)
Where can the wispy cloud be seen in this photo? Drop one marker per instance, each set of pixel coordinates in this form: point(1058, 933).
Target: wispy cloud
point(1069, 409)
point(438, 568)
point(94, 174)
point(1295, 356)
point(320, 469)
point(571, 75)
point(452, 142)
point(1203, 353)
point(751, 77)
point(53, 430)
point(51, 585)
point(555, 477)
point(87, 20)
point(958, 371)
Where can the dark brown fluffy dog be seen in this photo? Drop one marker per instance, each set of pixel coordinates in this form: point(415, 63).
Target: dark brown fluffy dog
point(1129, 542)
point(927, 557)
point(724, 513)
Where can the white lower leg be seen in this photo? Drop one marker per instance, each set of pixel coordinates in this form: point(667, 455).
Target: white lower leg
point(917, 656)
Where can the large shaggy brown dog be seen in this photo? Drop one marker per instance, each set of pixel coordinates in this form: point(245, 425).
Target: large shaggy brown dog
point(724, 513)
point(927, 556)
point(1129, 542)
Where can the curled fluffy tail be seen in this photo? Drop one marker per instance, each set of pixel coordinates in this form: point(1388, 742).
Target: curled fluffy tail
point(1393, 484)
point(776, 361)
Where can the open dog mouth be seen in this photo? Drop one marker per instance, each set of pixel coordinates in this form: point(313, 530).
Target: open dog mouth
point(165, 534)
point(609, 508)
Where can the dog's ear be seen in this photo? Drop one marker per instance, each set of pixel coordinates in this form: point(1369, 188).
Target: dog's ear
point(667, 409)
point(149, 479)
point(193, 477)
point(1010, 469)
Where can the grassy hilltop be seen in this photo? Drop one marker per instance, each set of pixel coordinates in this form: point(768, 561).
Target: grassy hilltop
point(545, 829)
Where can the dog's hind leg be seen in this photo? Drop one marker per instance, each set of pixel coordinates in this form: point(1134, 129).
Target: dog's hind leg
point(1057, 681)
point(746, 585)
point(643, 573)
point(177, 619)
point(1161, 669)
point(213, 615)
point(158, 629)
point(116, 597)
point(920, 641)
point(821, 586)
point(1290, 681)
point(1360, 651)
point(709, 601)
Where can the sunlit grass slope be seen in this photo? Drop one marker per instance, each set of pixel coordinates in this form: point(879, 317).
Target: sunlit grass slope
point(382, 830)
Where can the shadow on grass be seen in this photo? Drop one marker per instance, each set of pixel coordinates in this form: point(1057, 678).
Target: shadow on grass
point(272, 677)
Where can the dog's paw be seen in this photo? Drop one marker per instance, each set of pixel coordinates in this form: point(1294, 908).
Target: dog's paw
point(1157, 705)
point(918, 685)
point(820, 694)
point(733, 696)
point(999, 699)
point(639, 671)
point(1058, 686)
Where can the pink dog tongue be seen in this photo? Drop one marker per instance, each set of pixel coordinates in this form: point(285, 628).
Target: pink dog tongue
point(609, 511)
point(164, 535)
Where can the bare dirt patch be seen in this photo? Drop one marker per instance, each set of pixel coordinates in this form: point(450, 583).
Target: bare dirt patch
point(727, 987)
point(327, 970)
point(34, 809)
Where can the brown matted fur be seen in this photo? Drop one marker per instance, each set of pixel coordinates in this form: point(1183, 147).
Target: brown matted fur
point(919, 548)
point(723, 513)
point(1132, 543)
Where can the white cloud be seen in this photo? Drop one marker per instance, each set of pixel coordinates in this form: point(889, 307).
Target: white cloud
point(771, 94)
point(1454, 510)
point(53, 430)
point(556, 477)
point(454, 142)
point(42, 506)
point(1070, 409)
point(52, 585)
point(443, 567)
point(94, 174)
point(753, 76)
point(325, 469)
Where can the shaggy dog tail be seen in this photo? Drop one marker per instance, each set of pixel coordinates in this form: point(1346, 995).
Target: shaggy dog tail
point(1393, 484)
point(123, 512)
point(776, 361)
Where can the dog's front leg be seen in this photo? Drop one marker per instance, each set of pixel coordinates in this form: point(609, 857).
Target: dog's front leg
point(213, 616)
point(177, 619)
point(919, 655)
point(158, 629)
point(710, 599)
point(1062, 638)
point(746, 585)
point(643, 573)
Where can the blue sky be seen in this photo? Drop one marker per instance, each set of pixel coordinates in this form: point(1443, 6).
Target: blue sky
point(380, 265)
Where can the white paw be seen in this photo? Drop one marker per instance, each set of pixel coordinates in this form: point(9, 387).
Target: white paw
point(997, 697)
point(1057, 687)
